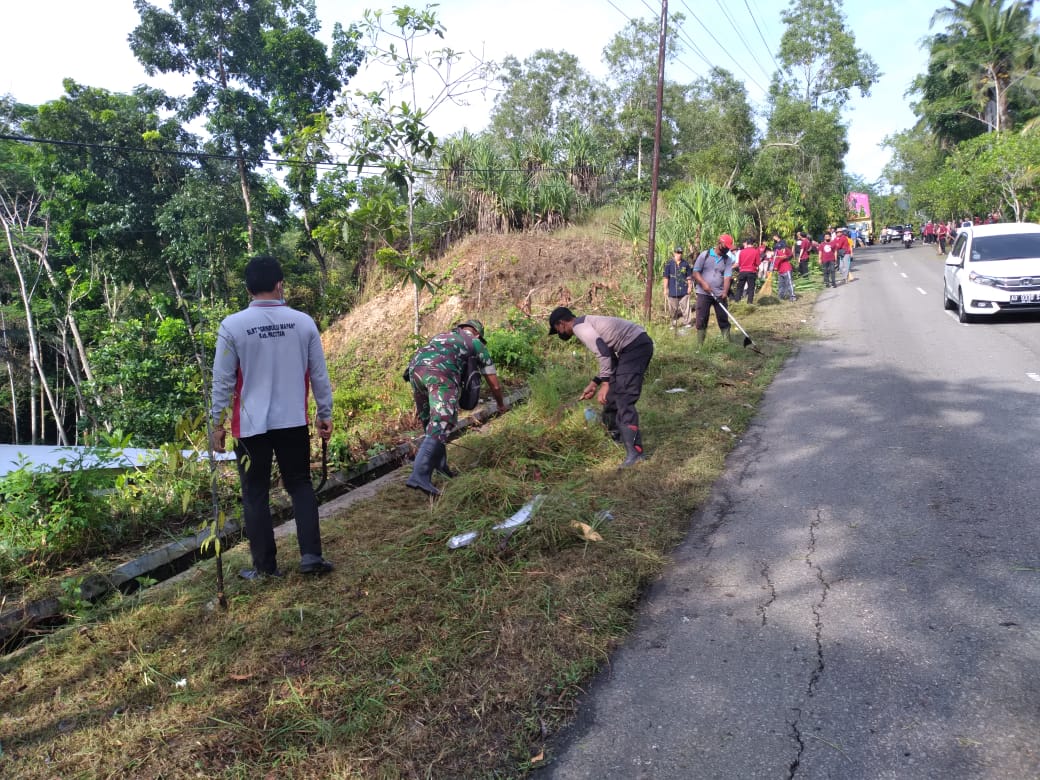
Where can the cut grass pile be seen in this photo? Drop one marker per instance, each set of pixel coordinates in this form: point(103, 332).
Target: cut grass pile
point(409, 660)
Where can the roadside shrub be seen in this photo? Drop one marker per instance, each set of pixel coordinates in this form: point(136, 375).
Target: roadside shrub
point(63, 515)
point(51, 513)
point(513, 345)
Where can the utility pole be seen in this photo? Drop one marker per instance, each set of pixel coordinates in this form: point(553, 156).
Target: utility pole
point(656, 168)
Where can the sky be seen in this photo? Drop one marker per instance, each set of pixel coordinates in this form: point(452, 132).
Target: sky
point(44, 41)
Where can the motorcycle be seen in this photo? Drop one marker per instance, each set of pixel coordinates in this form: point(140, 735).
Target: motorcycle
point(908, 239)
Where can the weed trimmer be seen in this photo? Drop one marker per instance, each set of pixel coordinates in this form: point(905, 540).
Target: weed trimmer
point(747, 339)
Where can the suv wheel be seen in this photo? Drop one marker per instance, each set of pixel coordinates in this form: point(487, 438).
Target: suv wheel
point(948, 303)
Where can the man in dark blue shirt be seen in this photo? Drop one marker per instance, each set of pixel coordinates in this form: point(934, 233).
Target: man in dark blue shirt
point(678, 284)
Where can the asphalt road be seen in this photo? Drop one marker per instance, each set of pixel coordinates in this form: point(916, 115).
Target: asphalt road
point(860, 598)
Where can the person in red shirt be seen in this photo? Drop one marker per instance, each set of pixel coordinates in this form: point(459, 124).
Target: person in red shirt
point(747, 271)
point(844, 249)
point(782, 255)
point(803, 246)
point(942, 230)
point(828, 259)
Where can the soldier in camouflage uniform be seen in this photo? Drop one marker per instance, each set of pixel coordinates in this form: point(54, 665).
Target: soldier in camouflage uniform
point(436, 373)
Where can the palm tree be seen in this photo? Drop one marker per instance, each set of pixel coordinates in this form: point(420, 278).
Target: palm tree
point(990, 48)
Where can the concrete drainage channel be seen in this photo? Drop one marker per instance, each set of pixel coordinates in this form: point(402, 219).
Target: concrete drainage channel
point(30, 622)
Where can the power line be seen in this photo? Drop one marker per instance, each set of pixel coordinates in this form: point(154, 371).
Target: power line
point(677, 59)
point(611, 3)
point(719, 44)
point(740, 37)
point(322, 164)
point(763, 37)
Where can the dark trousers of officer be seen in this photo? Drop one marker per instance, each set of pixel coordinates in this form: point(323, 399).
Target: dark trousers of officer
point(629, 368)
point(291, 448)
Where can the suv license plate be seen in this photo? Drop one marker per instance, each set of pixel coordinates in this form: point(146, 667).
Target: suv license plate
point(1025, 298)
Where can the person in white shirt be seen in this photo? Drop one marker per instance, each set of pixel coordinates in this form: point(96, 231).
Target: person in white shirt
point(268, 358)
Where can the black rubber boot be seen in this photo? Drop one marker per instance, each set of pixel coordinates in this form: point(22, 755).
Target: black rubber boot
point(442, 464)
point(633, 449)
point(429, 454)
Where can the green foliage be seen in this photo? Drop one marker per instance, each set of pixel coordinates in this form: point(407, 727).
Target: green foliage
point(49, 515)
point(818, 53)
point(147, 373)
point(514, 346)
point(543, 94)
point(981, 69)
point(697, 214)
point(71, 599)
point(55, 517)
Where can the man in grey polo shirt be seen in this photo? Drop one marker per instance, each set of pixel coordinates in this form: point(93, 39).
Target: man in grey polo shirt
point(624, 350)
point(268, 356)
point(712, 276)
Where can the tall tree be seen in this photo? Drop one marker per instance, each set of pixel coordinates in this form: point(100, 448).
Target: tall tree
point(797, 178)
point(715, 129)
point(631, 59)
point(986, 54)
point(544, 94)
point(818, 54)
point(259, 70)
point(391, 131)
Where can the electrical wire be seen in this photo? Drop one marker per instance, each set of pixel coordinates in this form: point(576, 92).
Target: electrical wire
point(740, 37)
point(321, 164)
point(763, 37)
point(721, 46)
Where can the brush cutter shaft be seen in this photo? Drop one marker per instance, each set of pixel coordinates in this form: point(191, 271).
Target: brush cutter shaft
point(747, 339)
point(731, 317)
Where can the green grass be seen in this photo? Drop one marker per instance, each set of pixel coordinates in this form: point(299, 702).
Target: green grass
point(409, 660)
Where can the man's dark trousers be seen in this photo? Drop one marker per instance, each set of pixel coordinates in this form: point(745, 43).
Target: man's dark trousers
point(629, 368)
point(746, 280)
point(291, 448)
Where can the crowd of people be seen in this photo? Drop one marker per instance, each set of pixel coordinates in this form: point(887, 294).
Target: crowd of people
point(739, 273)
point(938, 233)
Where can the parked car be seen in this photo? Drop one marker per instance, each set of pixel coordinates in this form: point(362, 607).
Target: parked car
point(992, 269)
point(891, 233)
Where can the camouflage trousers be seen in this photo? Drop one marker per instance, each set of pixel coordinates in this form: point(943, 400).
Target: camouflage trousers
point(436, 396)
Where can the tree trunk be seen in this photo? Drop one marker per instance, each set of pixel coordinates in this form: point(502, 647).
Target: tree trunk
point(34, 343)
point(10, 379)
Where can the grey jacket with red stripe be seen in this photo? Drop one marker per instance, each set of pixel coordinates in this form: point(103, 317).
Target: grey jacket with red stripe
point(268, 357)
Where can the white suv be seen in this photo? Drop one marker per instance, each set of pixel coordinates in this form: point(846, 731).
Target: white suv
point(993, 268)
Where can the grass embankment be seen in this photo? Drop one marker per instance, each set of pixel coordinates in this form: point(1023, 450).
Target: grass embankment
point(410, 660)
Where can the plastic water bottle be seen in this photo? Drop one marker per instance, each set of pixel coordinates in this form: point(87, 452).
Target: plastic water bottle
point(590, 415)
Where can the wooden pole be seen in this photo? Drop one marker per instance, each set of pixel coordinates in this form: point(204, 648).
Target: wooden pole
point(656, 168)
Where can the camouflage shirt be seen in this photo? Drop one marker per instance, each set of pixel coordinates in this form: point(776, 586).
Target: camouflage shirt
point(446, 353)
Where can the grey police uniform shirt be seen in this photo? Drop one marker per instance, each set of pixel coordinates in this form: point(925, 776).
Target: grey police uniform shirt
point(605, 337)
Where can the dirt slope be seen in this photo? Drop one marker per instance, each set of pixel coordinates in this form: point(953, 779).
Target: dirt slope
point(483, 276)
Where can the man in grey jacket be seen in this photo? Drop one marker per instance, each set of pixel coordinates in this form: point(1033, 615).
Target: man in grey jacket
point(624, 350)
point(268, 356)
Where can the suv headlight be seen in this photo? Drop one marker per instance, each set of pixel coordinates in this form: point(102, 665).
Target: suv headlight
point(978, 278)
